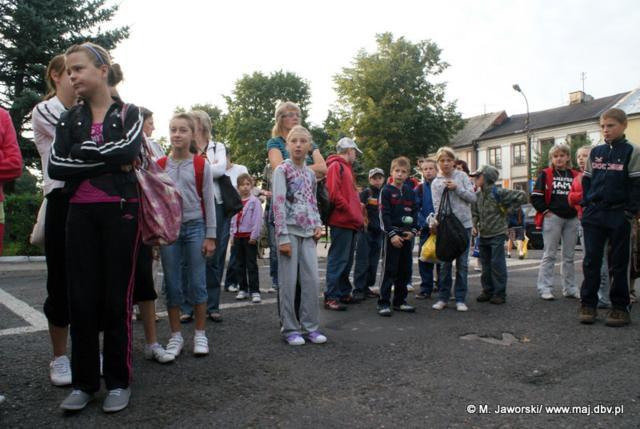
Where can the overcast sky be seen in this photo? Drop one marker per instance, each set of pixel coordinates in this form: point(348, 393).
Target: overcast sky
point(188, 51)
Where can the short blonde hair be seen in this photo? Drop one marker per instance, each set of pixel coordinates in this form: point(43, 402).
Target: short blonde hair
point(204, 120)
point(300, 130)
point(445, 151)
point(560, 147)
point(585, 148)
point(430, 161)
point(402, 162)
point(282, 109)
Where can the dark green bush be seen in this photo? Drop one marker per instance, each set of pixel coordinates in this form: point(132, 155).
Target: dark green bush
point(21, 211)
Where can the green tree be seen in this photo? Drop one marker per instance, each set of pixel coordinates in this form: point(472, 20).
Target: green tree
point(214, 112)
point(540, 160)
point(389, 104)
point(31, 33)
point(251, 105)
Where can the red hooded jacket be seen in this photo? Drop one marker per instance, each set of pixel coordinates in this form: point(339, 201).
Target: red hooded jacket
point(10, 156)
point(347, 211)
point(575, 194)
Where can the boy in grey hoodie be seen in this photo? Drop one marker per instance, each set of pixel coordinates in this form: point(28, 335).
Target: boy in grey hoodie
point(489, 214)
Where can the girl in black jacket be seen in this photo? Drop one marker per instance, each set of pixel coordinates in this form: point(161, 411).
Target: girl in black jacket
point(96, 144)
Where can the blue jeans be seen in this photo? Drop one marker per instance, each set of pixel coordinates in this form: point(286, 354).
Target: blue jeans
point(339, 262)
point(186, 250)
point(426, 269)
point(462, 266)
point(368, 250)
point(215, 264)
point(494, 265)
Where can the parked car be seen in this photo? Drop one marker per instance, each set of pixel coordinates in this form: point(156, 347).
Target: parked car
point(535, 235)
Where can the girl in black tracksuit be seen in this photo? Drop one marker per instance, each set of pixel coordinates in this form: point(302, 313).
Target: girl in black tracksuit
point(96, 143)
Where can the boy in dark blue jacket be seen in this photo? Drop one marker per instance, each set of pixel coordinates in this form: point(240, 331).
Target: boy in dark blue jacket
point(425, 208)
point(398, 212)
point(369, 240)
point(611, 201)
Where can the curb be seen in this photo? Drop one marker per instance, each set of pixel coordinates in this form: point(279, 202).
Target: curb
point(21, 259)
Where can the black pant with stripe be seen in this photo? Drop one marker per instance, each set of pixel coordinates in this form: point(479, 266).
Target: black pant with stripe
point(101, 253)
point(395, 273)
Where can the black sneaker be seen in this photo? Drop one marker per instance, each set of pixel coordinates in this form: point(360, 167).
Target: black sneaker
point(618, 318)
point(423, 295)
point(587, 315)
point(496, 300)
point(371, 294)
point(483, 297)
point(405, 308)
point(358, 295)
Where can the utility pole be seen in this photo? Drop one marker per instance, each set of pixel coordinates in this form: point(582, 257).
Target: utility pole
point(583, 77)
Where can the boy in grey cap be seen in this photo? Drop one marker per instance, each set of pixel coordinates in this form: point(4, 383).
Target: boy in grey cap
point(489, 214)
point(369, 239)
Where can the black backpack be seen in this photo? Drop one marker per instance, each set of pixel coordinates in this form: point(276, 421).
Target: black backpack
point(231, 200)
point(452, 239)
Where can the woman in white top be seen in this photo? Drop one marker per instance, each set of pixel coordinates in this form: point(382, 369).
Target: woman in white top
point(45, 115)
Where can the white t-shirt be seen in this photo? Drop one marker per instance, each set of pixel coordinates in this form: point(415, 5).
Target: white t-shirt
point(44, 119)
point(236, 171)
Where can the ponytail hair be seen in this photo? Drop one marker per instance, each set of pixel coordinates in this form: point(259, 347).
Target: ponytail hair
point(56, 65)
point(100, 56)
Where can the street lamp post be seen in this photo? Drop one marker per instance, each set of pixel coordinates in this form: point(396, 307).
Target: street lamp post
point(527, 130)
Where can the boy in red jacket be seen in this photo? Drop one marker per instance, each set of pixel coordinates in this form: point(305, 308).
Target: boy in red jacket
point(346, 220)
point(10, 161)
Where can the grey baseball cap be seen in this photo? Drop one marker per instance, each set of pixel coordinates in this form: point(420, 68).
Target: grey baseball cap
point(375, 171)
point(346, 143)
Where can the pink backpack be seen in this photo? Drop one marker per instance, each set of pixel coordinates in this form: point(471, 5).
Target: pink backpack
point(160, 213)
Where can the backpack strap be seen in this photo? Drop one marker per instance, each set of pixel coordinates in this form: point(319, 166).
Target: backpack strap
point(198, 166)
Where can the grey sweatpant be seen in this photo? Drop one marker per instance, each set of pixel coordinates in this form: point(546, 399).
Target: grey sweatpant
point(553, 229)
point(303, 260)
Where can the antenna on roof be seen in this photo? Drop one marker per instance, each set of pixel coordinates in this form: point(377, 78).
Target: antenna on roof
point(583, 77)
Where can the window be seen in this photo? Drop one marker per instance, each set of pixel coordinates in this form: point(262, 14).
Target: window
point(520, 186)
point(495, 157)
point(519, 154)
point(578, 139)
point(546, 144)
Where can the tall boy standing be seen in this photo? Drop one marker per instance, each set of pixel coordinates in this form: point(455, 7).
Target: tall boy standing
point(611, 201)
point(489, 214)
point(398, 212)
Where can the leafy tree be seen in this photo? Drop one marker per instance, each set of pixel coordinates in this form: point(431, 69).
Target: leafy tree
point(31, 33)
point(251, 106)
point(389, 104)
point(540, 160)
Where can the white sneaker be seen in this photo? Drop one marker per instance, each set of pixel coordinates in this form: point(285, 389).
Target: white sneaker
point(547, 296)
point(60, 371)
point(272, 290)
point(255, 298)
point(241, 295)
point(233, 288)
point(200, 345)
point(461, 306)
point(439, 305)
point(158, 353)
point(575, 294)
point(410, 287)
point(175, 344)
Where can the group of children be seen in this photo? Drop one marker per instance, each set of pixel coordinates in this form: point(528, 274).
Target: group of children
point(98, 266)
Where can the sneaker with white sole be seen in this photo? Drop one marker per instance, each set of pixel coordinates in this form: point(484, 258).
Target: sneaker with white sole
point(409, 287)
point(60, 371)
point(255, 298)
point(295, 340)
point(200, 345)
point(76, 400)
point(233, 288)
point(175, 344)
point(158, 353)
point(272, 290)
point(116, 400)
point(547, 296)
point(439, 305)
point(461, 306)
point(241, 295)
point(316, 337)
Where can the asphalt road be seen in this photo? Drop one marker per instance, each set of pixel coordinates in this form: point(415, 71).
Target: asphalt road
point(428, 369)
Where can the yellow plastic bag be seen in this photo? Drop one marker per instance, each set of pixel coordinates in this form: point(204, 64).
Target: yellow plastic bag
point(428, 251)
point(525, 247)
